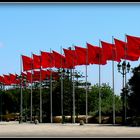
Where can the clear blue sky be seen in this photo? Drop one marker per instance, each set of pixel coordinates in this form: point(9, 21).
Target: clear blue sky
point(29, 28)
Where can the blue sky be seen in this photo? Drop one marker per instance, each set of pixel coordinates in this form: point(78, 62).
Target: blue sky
point(31, 28)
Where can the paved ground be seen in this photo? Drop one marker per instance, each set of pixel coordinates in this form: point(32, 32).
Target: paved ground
point(56, 130)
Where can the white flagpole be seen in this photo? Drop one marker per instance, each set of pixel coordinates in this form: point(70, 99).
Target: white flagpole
point(51, 93)
point(86, 87)
point(40, 91)
point(113, 85)
point(73, 92)
point(21, 94)
point(1, 102)
point(51, 96)
point(73, 98)
point(100, 120)
point(62, 89)
point(3, 88)
point(31, 111)
point(125, 82)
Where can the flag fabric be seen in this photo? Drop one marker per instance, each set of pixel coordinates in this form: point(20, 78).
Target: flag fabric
point(24, 75)
point(109, 51)
point(29, 77)
point(1, 79)
point(71, 58)
point(123, 52)
point(14, 79)
point(36, 61)
point(95, 55)
point(99, 58)
point(120, 48)
point(81, 55)
point(55, 75)
point(27, 63)
point(45, 74)
point(133, 44)
point(59, 59)
point(91, 53)
point(17, 82)
point(47, 60)
point(36, 75)
point(7, 80)
point(24, 79)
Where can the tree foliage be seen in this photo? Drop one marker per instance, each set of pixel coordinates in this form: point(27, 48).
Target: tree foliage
point(134, 93)
point(106, 100)
point(11, 99)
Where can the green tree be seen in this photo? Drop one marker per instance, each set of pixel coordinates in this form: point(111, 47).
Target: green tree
point(106, 100)
point(134, 93)
point(11, 99)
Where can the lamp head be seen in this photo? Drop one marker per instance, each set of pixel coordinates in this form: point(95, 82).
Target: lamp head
point(119, 66)
point(123, 65)
point(128, 67)
point(63, 70)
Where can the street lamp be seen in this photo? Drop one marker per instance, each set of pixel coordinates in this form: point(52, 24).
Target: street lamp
point(124, 69)
point(20, 77)
point(1, 88)
point(62, 73)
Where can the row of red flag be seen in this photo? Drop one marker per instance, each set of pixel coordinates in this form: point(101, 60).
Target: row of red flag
point(129, 50)
point(35, 76)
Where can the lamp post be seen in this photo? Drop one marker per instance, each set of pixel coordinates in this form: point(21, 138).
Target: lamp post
point(77, 84)
point(21, 98)
point(77, 75)
point(1, 88)
point(25, 87)
point(124, 69)
point(62, 73)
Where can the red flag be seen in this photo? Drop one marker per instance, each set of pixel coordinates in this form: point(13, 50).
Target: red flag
point(27, 63)
point(47, 60)
point(29, 77)
point(71, 58)
point(55, 75)
point(60, 61)
point(7, 80)
point(36, 75)
point(82, 55)
point(23, 79)
point(109, 51)
point(47, 73)
point(17, 81)
point(91, 53)
point(13, 78)
point(95, 55)
point(1, 79)
point(120, 47)
point(36, 61)
point(133, 44)
point(44, 75)
point(123, 52)
point(99, 58)
point(24, 75)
